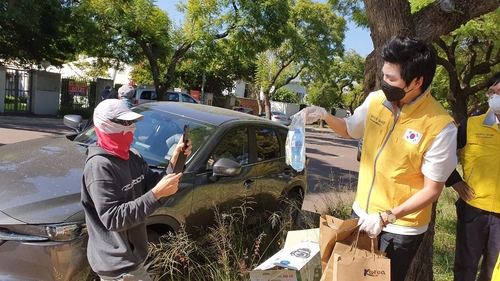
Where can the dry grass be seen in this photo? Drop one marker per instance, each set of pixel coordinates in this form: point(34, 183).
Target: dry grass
point(240, 241)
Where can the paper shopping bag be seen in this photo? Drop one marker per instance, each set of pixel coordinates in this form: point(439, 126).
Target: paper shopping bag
point(331, 230)
point(352, 263)
point(357, 239)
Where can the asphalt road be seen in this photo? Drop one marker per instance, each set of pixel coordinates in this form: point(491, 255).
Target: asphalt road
point(332, 168)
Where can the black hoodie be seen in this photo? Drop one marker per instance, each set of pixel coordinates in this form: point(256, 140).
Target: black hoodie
point(117, 199)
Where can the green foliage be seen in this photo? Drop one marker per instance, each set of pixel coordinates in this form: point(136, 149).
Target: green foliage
point(34, 31)
point(339, 82)
point(353, 8)
point(128, 31)
point(284, 95)
point(468, 56)
point(313, 38)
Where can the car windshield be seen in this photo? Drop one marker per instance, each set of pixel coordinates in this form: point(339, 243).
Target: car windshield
point(157, 134)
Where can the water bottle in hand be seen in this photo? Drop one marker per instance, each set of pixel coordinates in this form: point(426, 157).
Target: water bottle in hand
point(298, 150)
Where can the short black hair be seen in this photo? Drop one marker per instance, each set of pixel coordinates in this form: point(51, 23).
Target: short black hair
point(495, 79)
point(415, 57)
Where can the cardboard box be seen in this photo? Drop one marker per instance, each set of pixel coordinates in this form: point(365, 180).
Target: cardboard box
point(298, 261)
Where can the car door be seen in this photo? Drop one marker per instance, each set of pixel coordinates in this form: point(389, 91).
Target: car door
point(223, 191)
point(188, 98)
point(275, 176)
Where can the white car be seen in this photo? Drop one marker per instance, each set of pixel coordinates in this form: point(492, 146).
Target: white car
point(149, 95)
point(279, 117)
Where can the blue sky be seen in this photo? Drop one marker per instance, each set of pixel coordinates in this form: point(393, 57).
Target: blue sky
point(356, 38)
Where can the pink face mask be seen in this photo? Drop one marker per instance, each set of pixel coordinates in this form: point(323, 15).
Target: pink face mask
point(114, 138)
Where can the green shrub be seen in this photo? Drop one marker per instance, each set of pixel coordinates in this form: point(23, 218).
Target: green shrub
point(23, 99)
point(8, 99)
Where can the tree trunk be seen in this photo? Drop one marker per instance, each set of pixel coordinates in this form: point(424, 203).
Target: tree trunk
point(458, 105)
point(400, 23)
point(421, 268)
point(388, 18)
point(267, 104)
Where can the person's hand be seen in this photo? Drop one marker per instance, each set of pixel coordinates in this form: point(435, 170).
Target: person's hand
point(371, 225)
point(167, 186)
point(181, 148)
point(465, 192)
point(312, 114)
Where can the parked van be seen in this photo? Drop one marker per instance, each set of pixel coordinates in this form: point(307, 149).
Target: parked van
point(143, 95)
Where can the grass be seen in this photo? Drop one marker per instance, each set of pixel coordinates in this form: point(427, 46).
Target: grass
point(444, 239)
point(240, 240)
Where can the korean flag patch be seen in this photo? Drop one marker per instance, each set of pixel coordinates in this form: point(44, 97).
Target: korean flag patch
point(412, 136)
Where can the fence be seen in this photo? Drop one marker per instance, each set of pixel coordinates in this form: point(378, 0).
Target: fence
point(18, 90)
point(77, 93)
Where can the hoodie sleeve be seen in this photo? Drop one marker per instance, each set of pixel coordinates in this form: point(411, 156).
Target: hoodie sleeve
point(119, 206)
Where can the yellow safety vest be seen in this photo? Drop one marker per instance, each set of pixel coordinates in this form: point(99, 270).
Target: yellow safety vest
point(392, 154)
point(481, 161)
point(496, 271)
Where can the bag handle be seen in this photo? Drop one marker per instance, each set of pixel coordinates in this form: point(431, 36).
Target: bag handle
point(354, 245)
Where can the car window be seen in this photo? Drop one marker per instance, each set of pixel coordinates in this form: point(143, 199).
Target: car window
point(157, 135)
point(188, 98)
point(172, 96)
point(148, 95)
point(268, 145)
point(234, 146)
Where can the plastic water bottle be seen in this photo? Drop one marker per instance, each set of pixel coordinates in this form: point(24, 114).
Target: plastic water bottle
point(298, 150)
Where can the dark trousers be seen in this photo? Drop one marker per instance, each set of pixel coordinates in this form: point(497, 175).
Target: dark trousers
point(478, 234)
point(400, 249)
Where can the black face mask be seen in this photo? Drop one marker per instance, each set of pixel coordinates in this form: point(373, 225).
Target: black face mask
point(392, 93)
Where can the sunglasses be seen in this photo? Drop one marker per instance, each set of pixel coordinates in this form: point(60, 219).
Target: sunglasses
point(123, 122)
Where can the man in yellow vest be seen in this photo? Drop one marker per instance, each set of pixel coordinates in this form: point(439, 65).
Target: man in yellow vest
point(409, 149)
point(478, 208)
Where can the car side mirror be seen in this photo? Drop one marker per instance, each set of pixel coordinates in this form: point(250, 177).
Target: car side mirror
point(73, 122)
point(226, 167)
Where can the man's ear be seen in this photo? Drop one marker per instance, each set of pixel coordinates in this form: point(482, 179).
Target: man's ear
point(418, 82)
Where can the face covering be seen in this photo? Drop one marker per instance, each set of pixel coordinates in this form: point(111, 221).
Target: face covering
point(494, 103)
point(114, 138)
point(392, 93)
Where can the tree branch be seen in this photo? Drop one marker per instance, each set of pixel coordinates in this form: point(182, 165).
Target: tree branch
point(431, 22)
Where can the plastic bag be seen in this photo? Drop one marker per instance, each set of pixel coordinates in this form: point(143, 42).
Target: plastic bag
point(295, 146)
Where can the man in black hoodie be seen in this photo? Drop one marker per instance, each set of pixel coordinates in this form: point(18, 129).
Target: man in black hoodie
point(119, 192)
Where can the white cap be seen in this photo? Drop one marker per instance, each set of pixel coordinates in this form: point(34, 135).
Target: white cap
point(126, 91)
point(115, 109)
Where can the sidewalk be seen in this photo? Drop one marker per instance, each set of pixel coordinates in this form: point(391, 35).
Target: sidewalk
point(20, 128)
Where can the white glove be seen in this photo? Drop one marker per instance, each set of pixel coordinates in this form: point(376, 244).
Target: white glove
point(371, 224)
point(313, 113)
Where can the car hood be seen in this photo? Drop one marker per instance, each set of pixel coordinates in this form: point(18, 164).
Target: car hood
point(40, 181)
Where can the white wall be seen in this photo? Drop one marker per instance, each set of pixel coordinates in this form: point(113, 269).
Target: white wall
point(46, 91)
point(3, 73)
point(288, 108)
